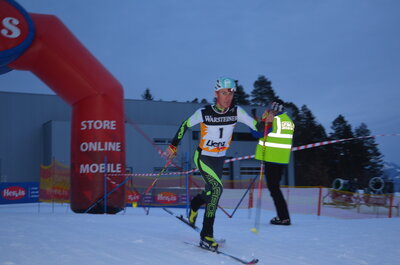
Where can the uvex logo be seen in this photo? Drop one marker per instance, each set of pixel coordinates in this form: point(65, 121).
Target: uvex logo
point(13, 193)
point(166, 197)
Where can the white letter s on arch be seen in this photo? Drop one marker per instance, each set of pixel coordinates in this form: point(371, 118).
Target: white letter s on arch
point(10, 30)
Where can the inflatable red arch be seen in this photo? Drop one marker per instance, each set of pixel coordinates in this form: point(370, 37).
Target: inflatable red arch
point(43, 45)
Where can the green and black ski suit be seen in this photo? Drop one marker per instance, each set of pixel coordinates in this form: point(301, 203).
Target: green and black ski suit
point(216, 129)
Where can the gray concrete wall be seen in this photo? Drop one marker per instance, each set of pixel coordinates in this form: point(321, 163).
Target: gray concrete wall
point(21, 132)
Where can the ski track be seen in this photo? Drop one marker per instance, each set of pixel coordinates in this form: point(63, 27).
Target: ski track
point(61, 237)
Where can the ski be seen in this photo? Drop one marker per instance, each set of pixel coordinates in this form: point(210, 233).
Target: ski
point(194, 227)
point(253, 261)
point(183, 219)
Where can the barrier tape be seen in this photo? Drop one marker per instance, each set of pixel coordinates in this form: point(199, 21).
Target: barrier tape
point(307, 146)
point(298, 148)
point(158, 149)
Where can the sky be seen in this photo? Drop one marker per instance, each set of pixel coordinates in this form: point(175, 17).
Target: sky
point(55, 235)
point(337, 57)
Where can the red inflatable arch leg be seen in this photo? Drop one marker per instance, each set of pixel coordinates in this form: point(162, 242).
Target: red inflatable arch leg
point(96, 97)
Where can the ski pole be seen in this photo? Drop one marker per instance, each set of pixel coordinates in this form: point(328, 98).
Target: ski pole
point(244, 195)
point(154, 182)
point(108, 194)
point(258, 207)
point(159, 174)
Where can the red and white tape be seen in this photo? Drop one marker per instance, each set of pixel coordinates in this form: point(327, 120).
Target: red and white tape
point(307, 146)
point(298, 148)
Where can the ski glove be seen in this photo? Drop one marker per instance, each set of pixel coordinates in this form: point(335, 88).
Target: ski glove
point(275, 107)
point(272, 109)
point(170, 153)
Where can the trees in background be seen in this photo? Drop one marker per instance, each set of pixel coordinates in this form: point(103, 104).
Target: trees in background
point(367, 158)
point(147, 95)
point(310, 164)
point(241, 97)
point(263, 93)
point(357, 160)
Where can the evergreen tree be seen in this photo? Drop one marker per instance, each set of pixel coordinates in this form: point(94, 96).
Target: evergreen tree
point(241, 97)
point(351, 160)
point(263, 93)
point(147, 95)
point(293, 111)
point(196, 100)
point(204, 101)
point(366, 158)
point(311, 166)
point(340, 154)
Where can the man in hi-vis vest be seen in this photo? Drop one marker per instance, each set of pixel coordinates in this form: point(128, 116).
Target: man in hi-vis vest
point(275, 150)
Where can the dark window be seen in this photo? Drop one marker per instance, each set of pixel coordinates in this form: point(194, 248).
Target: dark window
point(195, 135)
point(243, 137)
point(161, 141)
point(249, 170)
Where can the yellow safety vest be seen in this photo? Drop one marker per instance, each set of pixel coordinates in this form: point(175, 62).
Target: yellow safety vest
point(278, 144)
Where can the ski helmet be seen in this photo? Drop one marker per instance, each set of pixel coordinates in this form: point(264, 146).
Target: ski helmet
point(225, 82)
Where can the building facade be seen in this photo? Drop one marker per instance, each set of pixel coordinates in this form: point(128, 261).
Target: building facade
point(35, 129)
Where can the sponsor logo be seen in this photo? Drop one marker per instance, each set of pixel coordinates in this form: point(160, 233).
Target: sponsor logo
point(13, 193)
point(209, 118)
point(217, 145)
point(9, 28)
point(287, 125)
point(133, 197)
point(14, 26)
point(167, 197)
point(227, 83)
point(182, 130)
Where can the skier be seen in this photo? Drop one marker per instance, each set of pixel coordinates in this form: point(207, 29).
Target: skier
point(275, 151)
point(216, 124)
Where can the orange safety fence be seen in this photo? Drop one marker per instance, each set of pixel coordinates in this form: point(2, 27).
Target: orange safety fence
point(54, 183)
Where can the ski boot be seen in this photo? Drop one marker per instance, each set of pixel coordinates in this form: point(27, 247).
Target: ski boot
point(277, 221)
point(192, 217)
point(209, 243)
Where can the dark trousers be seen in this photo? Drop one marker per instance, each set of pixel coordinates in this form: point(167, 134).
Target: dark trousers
point(273, 175)
point(211, 169)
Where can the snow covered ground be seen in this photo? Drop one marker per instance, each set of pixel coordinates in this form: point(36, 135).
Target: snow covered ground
point(58, 236)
